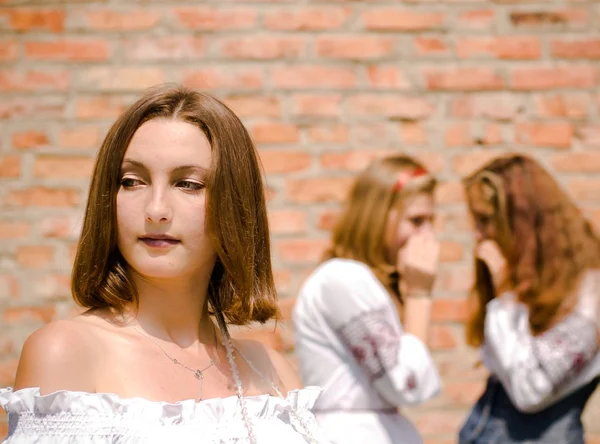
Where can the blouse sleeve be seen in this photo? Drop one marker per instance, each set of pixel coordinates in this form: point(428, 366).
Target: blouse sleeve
point(398, 364)
point(533, 368)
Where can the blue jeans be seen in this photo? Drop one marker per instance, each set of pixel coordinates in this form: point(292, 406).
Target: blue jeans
point(495, 420)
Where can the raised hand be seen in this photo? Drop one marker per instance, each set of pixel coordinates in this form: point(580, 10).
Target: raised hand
point(418, 263)
point(489, 252)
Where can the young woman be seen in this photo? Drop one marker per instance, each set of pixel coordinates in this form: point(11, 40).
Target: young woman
point(175, 234)
point(535, 306)
point(349, 336)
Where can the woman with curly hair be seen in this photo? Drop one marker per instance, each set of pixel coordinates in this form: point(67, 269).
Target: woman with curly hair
point(534, 308)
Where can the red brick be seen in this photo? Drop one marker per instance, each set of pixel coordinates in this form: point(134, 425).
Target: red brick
point(283, 280)
point(32, 107)
point(545, 134)
point(313, 77)
point(350, 160)
point(287, 221)
point(576, 48)
point(217, 19)
point(462, 79)
point(119, 79)
point(262, 47)
point(413, 133)
point(35, 19)
point(589, 135)
point(301, 250)
point(457, 134)
point(30, 139)
point(476, 19)
point(569, 105)
point(328, 133)
point(34, 80)
point(369, 133)
point(250, 77)
point(8, 50)
point(34, 256)
point(497, 106)
point(449, 310)
point(52, 286)
point(450, 193)
point(76, 50)
point(457, 279)
point(361, 47)
point(326, 189)
point(8, 371)
point(327, 219)
point(584, 189)
point(548, 19)
point(10, 166)
point(63, 226)
point(511, 47)
point(387, 77)
point(465, 164)
point(316, 105)
point(442, 337)
point(275, 133)
point(99, 107)
point(451, 251)
point(306, 18)
point(463, 393)
point(43, 197)
point(14, 229)
point(173, 47)
point(117, 20)
point(389, 105)
point(254, 106)
point(401, 19)
point(24, 315)
point(577, 162)
point(284, 161)
point(9, 287)
point(63, 167)
point(547, 77)
point(86, 137)
point(430, 46)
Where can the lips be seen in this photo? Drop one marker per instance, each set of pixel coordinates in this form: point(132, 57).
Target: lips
point(159, 241)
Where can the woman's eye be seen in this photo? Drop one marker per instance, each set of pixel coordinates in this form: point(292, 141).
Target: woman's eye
point(129, 182)
point(417, 221)
point(190, 185)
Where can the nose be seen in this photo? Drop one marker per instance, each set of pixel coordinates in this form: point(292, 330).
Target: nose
point(158, 209)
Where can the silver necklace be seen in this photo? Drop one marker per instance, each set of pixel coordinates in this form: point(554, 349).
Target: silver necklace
point(198, 374)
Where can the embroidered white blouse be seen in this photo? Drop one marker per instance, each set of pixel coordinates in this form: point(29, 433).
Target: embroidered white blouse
point(349, 341)
point(67, 417)
point(537, 371)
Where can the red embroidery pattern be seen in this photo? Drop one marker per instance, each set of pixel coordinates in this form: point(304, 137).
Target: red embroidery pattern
point(564, 350)
point(373, 341)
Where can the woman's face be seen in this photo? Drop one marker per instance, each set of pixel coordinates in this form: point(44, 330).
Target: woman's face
point(483, 213)
point(161, 203)
point(414, 215)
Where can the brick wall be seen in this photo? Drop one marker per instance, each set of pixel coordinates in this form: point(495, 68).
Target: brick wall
point(323, 88)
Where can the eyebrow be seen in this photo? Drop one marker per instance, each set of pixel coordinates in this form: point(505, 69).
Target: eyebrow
point(179, 169)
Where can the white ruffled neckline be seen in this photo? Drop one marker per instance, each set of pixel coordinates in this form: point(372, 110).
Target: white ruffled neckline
point(61, 402)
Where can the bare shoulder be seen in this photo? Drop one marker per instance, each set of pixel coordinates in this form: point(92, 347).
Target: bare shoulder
point(59, 356)
point(271, 364)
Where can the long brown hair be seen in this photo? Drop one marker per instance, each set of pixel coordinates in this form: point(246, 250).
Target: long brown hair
point(241, 285)
point(359, 233)
point(546, 240)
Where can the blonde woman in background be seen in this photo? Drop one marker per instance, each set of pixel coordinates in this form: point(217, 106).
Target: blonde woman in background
point(349, 336)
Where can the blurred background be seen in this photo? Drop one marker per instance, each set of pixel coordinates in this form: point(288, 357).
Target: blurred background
point(323, 86)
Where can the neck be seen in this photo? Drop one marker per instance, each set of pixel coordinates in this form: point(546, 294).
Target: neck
point(174, 310)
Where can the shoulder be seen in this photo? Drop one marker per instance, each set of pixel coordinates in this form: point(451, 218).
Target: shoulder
point(59, 356)
point(271, 363)
point(339, 274)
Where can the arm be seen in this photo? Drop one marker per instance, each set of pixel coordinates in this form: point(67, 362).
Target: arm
point(55, 358)
point(398, 363)
point(533, 368)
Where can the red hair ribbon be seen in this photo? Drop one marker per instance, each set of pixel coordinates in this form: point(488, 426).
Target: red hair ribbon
point(405, 176)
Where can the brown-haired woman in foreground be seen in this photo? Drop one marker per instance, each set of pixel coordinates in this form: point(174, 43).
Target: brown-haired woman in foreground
point(349, 337)
point(175, 235)
point(535, 306)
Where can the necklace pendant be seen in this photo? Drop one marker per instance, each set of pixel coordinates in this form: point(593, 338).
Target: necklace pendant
point(198, 374)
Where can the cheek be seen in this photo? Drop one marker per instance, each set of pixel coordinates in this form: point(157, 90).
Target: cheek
point(403, 232)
